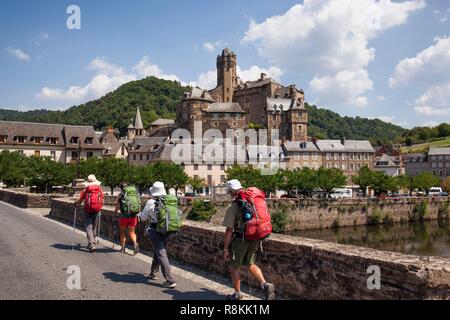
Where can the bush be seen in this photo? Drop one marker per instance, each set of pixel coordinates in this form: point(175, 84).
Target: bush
point(419, 211)
point(201, 211)
point(443, 211)
point(375, 218)
point(280, 220)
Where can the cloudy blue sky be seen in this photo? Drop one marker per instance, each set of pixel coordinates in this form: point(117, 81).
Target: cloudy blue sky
point(380, 59)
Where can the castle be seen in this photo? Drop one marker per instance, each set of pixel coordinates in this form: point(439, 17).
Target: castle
point(234, 104)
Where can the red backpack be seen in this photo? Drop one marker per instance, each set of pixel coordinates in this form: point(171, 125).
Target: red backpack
point(259, 227)
point(93, 199)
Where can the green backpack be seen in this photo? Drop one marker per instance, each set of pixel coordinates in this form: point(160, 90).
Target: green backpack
point(131, 202)
point(169, 216)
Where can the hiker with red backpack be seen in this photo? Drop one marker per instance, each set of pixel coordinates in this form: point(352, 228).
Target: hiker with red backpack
point(248, 222)
point(92, 197)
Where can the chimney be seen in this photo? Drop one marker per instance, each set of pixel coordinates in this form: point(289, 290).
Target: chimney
point(263, 76)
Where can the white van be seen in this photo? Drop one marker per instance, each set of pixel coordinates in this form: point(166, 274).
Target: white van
point(340, 193)
point(435, 191)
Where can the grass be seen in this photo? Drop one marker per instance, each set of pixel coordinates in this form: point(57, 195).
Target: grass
point(418, 148)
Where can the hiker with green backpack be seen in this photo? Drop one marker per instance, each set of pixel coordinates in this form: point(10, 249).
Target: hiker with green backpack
point(164, 220)
point(129, 204)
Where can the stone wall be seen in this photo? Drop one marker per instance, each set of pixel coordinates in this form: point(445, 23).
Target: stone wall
point(307, 214)
point(303, 268)
point(27, 200)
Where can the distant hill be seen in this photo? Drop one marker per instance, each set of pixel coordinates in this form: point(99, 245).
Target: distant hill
point(159, 98)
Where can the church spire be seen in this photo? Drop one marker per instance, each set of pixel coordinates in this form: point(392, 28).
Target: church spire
point(138, 121)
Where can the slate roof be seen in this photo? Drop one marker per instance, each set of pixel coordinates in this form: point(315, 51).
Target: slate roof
point(291, 146)
point(162, 122)
point(198, 93)
point(386, 161)
point(138, 121)
point(439, 151)
point(414, 157)
point(29, 129)
point(81, 132)
point(348, 146)
point(147, 144)
point(227, 107)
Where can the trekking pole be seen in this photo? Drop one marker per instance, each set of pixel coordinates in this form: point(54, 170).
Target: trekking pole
point(248, 281)
point(74, 222)
point(98, 227)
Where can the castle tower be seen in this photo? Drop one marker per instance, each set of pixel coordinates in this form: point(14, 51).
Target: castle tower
point(226, 74)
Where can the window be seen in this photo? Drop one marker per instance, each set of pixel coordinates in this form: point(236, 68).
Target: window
point(328, 156)
point(89, 154)
point(3, 138)
point(299, 127)
point(209, 167)
point(89, 140)
point(21, 139)
point(314, 156)
point(209, 179)
point(53, 140)
point(134, 157)
point(305, 156)
point(37, 153)
point(247, 99)
point(74, 155)
point(53, 154)
point(37, 140)
point(74, 140)
point(222, 167)
point(336, 156)
point(343, 156)
point(196, 167)
point(234, 124)
point(344, 167)
point(140, 157)
point(148, 156)
point(122, 151)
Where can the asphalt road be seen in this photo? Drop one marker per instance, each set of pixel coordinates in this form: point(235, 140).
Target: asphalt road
point(35, 254)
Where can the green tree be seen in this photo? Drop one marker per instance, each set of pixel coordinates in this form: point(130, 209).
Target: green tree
point(328, 179)
point(45, 173)
point(425, 181)
point(112, 172)
point(141, 176)
point(196, 183)
point(364, 178)
point(14, 168)
point(171, 174)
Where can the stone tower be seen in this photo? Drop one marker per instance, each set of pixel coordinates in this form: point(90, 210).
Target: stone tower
point(226, 74)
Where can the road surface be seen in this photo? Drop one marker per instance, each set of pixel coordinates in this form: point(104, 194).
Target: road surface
point(35, 253)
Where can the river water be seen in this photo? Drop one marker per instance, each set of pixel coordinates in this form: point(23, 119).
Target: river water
point(430, 238)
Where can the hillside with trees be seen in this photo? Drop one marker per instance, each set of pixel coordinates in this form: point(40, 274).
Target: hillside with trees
point(159, 98)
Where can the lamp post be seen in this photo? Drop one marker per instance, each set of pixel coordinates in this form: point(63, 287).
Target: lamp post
point(78, 183)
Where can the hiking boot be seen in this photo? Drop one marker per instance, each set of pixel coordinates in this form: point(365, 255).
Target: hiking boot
point(235, 296)
point(152, 276)
point(122, 250)
point(169, 284)
point(135, 249)
point(91, 249)
point(269, 291)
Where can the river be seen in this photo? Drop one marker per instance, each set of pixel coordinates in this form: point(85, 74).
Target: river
point(430, 238)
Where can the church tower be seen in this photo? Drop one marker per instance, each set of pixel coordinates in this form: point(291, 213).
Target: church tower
point(226, 74)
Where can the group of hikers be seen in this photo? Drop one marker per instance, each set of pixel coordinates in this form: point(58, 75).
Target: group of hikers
point(247, 222)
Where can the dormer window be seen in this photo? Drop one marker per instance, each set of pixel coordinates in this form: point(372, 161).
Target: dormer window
point(89, 140)
point(3, 138)
point(37, 140)
point(74, 140)
point(53, 140)
point(20, 139)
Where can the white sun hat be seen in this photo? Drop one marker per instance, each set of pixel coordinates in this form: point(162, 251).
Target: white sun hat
point(92, 181)
point(234, 185)
point(158, 189)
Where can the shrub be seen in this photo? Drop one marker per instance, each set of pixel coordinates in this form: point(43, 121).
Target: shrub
point(375, 218)
point(201, 211)
point(280, 220)
point(419, 211)
point(443, 211)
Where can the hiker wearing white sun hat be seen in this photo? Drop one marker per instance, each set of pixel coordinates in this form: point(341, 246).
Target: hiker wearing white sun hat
point(159, 240)
point(92, 197)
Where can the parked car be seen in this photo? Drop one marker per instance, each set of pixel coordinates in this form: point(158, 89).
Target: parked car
point(443, 194)
point(340, 193)
point(434, 191)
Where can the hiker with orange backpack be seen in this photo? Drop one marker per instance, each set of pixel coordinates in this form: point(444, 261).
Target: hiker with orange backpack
point(92, 197)
point(248, 222)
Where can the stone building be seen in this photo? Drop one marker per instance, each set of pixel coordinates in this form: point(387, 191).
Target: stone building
point(439, 159)
point(262, 102)
point(389, 165)
point(60, 142)
point(112, 146)
point(302, 154)
point(136, 130)
point(416, 163)
point(347, 155)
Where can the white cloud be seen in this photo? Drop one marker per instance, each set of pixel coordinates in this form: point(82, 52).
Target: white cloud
point(381, 98)
point(329, 39)
point(430, 68)
point(145, 69)
point(108, 78)
point(429, 65)
point(430, 124)
point(345, 87)
point(389, 119)
point(207, 80)
point(214, 46)
point(19, 54)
